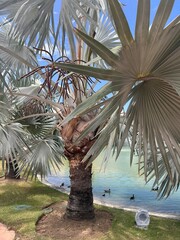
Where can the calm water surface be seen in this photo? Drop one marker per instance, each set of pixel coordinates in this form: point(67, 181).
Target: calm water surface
point(123, 181)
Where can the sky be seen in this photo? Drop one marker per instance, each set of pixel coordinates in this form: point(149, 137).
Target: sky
point(131, 8)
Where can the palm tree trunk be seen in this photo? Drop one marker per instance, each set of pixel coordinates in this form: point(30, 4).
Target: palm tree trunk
point(80, 204)
point(12, 170)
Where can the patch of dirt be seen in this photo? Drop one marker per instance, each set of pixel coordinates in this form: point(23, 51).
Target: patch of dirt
point(6, 233)
point(57, 226)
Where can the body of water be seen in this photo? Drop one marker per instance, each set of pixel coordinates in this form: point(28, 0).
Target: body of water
point(123, 181)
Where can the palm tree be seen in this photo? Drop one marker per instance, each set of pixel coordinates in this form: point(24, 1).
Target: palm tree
point(144, 72)
point(67, 91)
point(11, 70)
point(25, 127)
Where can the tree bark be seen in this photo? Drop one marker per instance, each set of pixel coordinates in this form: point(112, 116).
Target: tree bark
point(80, 204)
point(12, 170)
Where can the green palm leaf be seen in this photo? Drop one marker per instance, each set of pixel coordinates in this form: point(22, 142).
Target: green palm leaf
point(166, 186)
point(34, 19)
point(30, 17)
point(99, 48)
point(12, 141)
point(120, 22)
point(19, 49)
point(45, 157)
point(91, 71)
point(161, 18)
point(142, 21)
point(106, 35)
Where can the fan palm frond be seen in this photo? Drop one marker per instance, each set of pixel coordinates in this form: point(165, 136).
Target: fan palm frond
point(33, 19)
point(25, 125)
point(106, 35)
point(71, 15)
point(12, 141)
point(13, 44)
point(36, 118)
point(164, 184)
point(45, 157)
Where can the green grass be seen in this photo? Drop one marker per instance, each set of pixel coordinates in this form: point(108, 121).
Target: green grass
point(123, 227)
point(33, 194)
point(37, 196)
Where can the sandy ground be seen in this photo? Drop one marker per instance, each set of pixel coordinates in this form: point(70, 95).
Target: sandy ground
point(57, 226)
point(5, 233)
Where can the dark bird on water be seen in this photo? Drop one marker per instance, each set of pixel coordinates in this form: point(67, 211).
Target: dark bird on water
point(107, 191)
point(132, 197)
point(155, 189)
point(62, 185)
point(103, 195)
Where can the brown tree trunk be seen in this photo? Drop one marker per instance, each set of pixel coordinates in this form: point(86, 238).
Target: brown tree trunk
point(12, 170)
point(80, 204)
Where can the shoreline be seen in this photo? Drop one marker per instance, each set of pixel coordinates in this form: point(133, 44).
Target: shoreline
point(99, 202)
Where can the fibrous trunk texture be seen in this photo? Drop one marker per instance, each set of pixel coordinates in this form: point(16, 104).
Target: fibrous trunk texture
point(12, 170)
point(80, 204)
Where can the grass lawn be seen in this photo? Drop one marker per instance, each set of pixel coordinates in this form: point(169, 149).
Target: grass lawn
point(36, 196)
